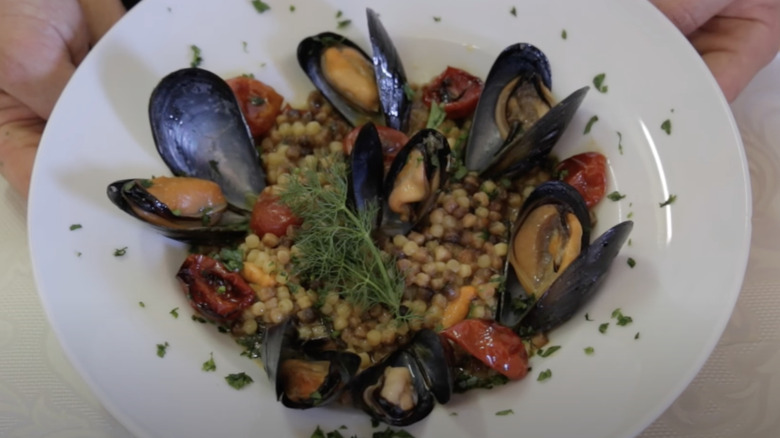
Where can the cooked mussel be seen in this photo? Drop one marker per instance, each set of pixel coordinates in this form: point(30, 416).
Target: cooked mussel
point(366, 170)
point(517, 121)
point(362, 88)
point(551, 267)
point(414, 180)
point(306, 374)
point(186, 209)
point(200, 132)
point(402, 388)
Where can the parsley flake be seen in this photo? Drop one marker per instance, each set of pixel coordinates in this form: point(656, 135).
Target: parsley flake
point(75, 227)
point(120, 252)
point(636, 336)
point(669, 201)
point(622, 320)
point(620, 142)
point(244, 45)
point(513, 11)
point(667, 126)
point(598, 82)
point(603, 327)
point(592, 120)
point(256, 100)
point(141, 304)
point(162, 349)
point(615, 196)
point(175, 312)
point(197, 59)
point(504, 412)
point(238, 380)
point(631, 262)
point(587, 317)
point(437, 19)
point(589, 350)
point(564, 35)
point(209, 365)
point(436, 116)
point(343, 24)
point(544, 375)
point(292, 8)
point(260, 6)
point(549, 351)
point(391, 433)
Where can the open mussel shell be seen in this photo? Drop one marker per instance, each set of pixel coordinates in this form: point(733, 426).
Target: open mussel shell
point(414, 180)
point(199, 131)
point(554, 219)
point(366, 170)
point(306, 374)
point(131, 197)
point(516, 122)
point(403, 388)
point(390, 76)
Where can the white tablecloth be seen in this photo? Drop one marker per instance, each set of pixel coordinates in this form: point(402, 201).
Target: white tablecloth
point(736, 394)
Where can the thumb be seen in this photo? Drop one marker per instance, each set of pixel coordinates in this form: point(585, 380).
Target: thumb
point(100, 16)
point(688, 15)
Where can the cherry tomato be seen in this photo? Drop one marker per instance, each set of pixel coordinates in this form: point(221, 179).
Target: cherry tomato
point(392, 142)
point(495, 345)
point(457, 90)
point(271, 216)
point(217, 293)
point(586, 172)
point(259, 103)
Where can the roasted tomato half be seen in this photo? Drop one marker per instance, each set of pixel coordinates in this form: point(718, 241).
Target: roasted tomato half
point(458, 90)
point(495, 345)
point(271, 216)
point(217, 293)
point(259, 103)
point(392, 142)
point(586, 172)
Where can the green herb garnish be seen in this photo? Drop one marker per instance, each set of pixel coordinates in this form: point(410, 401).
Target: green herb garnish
point(636, 336)
point(141, 304)
point(292, 8)
point(631, 262)
point(504, 412)
point(197, 60)
point(513, 11)
point(544, 375)
point(587, 317)
point(589, 350)
point(436, 116)
point(256, 100)
point(563, 34)
point(238, 380)
point(598, 82)
point(437, 19)
point(175, 312)
point(260, 6)
point(667, 126)
point(615, 196)
point(668, 201)
point(622, 320)
point(233, 259)
point(332, 234)
point(408, 91)
point(603, 327)
point(162, 349)
point(343, 23)
point(391, 433)
point(620, 142)
point(209, 365)
point(549, 351)
point(199, 319)
point(244, 45)
point(120, 252)
point(590, 123)
point(75, 227)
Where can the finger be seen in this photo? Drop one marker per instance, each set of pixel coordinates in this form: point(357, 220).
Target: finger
point(101, 15)
point(20, 133)
point(688, 15)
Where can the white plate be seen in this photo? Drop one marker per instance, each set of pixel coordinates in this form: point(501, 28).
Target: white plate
point(690, 257)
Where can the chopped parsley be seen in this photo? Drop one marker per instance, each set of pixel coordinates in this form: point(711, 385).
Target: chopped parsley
point(615, 196)
point(78, 253)
point(244, 45)
point(598, 82)
point(343, 23)
point(465, 382)
point(544, 375)
point(549, 351)
point(587, 317)
point(504, 412)
point(437, 19)
point(197, 59)
point(200, 319)
point(209, 365)
point(622, 320)
point(620, 142)
point(256, 100)
point(120, 252)
point(233, 259)
point(592, 120)
point(408, 91)
point(667, 126)
point(391, 433)
point(669, 201)
point(589, 350)
point(162, 349)
point(603, 327)
point(141, 304)
point(513, 11)
point(339, 14)
point(75, 227)
point(175, 312)
point(631, 262)
point(260, 6)
point(238, 380)
point(436, 116)
point(221, 289)
point(636, 336)
point(564, 35)
point(292, 8)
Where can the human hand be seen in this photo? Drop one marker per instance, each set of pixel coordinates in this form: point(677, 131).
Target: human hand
point(41, 43)
point(736, 38)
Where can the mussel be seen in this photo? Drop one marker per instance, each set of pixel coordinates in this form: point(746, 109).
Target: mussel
point(366, 170)
point(201, 135)
point(516, 122)
point(403, 388)
point(414, 180)
point(306, 374)
point(552, 268)
point(360, 87)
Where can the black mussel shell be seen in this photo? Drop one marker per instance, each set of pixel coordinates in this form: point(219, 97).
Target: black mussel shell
point(427, 348)
point(200, 132)
point(494, 154)
point(366, 170)
point(434, 158)
point(390, 76)
point(281, 344)
point(515, 302)
point(578, 283)
point(230, 229)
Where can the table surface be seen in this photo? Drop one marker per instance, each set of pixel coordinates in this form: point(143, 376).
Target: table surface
point(736, 393)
